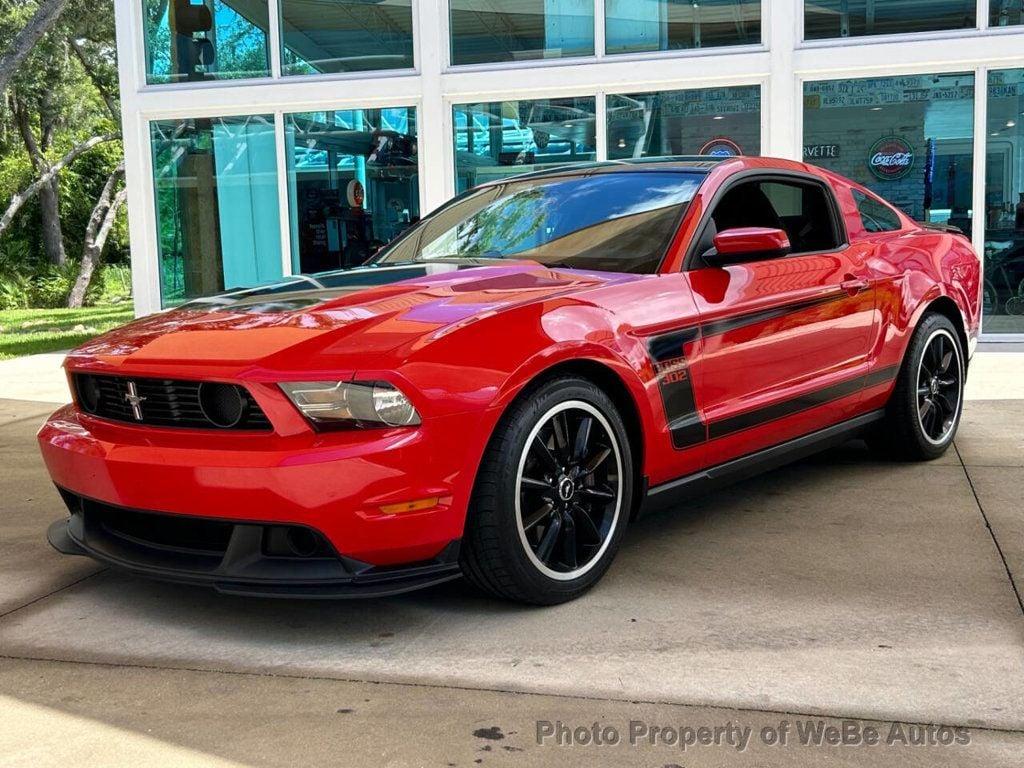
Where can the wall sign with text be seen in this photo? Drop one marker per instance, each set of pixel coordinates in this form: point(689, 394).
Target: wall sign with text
point(821, 151)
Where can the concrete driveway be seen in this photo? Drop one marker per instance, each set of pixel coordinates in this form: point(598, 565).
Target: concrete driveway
point(837, 588)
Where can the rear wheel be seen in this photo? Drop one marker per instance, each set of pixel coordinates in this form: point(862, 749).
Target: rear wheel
point(552, 496)
point(924, 411)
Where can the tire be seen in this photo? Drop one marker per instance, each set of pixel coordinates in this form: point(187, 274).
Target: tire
point(933, 372)
point(544, 525)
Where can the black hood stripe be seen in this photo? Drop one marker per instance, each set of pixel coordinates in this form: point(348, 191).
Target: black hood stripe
point(299, 291)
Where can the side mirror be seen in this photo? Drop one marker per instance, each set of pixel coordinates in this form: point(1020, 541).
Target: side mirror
point(741, 244)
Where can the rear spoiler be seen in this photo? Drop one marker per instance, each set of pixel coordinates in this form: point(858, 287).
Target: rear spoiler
point(941, 227)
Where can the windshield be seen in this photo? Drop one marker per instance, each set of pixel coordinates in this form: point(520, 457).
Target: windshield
point(613, 222)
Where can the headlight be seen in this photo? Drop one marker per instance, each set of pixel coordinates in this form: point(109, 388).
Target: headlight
point(341, 403)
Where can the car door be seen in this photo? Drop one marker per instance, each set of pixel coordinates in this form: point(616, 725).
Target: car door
point(784, 340)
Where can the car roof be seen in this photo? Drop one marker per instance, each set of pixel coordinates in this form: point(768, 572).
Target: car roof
point(702, 164)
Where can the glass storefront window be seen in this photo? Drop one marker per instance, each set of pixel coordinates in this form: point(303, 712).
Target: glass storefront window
point(517, 30)
point(907, 138)
point(505, 138)
point(353, 183)
point(705, 121)
point(856, 18)
point(217, 209)
point(189, 40)
point(1003, 13)
point(634, 26)
point(1004, 204)
point(345, 36)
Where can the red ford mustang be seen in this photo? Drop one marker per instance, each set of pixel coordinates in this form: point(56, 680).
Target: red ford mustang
point(512, 381)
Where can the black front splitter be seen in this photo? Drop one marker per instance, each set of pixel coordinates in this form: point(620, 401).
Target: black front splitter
point(354, 579)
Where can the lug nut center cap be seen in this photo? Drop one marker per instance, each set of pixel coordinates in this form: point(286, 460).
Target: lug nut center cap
point(566, 489)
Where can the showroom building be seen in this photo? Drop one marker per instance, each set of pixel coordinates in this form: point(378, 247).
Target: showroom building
point(271, 137)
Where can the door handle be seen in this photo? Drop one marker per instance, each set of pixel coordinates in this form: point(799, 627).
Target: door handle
point(854, 285)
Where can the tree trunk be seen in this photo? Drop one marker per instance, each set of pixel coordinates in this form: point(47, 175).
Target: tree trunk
point(102, 219)
point(49, 193)
point(49, 213)
point(45, 16)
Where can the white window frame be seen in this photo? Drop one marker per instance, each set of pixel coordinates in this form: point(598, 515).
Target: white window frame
point(780, 64)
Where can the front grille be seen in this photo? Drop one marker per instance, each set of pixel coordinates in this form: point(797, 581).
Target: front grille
point(182, 534)
point(144, 536)
point(166, 402)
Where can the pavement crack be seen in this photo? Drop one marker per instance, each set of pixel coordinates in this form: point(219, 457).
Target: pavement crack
point(35, 600)
point(991, 532)
point(508, 691)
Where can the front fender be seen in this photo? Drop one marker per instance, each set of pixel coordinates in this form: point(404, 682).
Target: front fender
point(485, 365)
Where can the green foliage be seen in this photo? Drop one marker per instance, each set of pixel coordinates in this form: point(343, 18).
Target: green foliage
point(48, 286)
point(16, 291)
point(113, 285)
point(64, 107)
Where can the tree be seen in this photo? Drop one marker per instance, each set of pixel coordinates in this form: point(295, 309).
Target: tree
point(46, 107)
point(61, 102)
point(15, 52)
point(20, 198)
point(98, 60)
point(102, 219)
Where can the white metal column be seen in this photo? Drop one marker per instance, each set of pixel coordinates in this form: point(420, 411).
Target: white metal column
point(138, 172)
point(980, 158)
point(433, 125)
point(780, 100)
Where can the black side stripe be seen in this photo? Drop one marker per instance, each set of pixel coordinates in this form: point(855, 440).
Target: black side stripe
point(685, 425)
point(808, 400)
point(668, 355)
point(717, 327)
point(668, 352)
point(670, 345)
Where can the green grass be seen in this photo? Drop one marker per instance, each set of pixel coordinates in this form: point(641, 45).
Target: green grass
point(31, 331)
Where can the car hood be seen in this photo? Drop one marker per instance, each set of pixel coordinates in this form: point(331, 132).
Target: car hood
point(338, 318)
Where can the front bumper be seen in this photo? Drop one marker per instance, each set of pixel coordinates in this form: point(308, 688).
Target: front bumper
point(339, 484)
point(242, 558)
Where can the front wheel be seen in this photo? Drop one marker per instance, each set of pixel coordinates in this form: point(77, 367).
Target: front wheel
point(924, 411)
point(552, 495)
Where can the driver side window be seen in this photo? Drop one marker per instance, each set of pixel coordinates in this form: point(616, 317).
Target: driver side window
point(800, 209)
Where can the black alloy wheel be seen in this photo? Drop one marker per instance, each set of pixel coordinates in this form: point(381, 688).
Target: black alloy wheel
point(939, 386)
point(552, 496)
point(569, 490)
point(924, 409)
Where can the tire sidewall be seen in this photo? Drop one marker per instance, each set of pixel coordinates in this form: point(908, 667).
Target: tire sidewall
point(922, 336)
point(519, 423)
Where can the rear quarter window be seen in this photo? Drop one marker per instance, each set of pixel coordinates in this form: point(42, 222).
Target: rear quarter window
point(875, 215)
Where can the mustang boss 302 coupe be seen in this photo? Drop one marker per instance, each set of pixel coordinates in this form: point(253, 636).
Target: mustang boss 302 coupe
point(508, 384)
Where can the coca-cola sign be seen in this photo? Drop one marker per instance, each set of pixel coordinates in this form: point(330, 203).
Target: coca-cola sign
point(891, 158)
point(721, 146)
